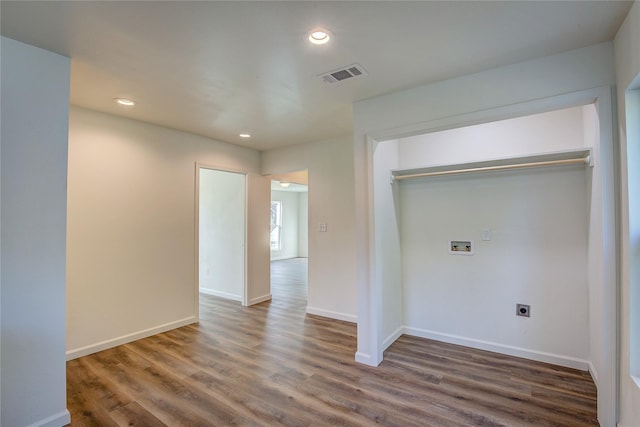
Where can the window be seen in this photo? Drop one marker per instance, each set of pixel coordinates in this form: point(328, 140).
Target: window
point(276, 225)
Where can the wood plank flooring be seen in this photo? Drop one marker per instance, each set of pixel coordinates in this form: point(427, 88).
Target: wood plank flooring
point(273, 365)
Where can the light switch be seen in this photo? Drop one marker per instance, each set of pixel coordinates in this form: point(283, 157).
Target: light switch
point(323, 227)
point(486, 234)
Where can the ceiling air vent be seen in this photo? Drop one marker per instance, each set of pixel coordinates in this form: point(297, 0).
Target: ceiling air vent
point(345, 73)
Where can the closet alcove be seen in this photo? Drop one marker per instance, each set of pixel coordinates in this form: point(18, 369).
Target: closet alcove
point(523, 191)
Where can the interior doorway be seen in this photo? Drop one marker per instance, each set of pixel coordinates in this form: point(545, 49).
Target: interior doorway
point(221, 236)
point(289, 230)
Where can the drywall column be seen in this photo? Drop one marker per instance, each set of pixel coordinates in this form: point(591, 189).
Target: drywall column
point(627, 59)
point(35, 110)
point(388, 273)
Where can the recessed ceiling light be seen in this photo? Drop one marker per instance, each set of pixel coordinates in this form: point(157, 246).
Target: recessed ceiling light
point(319, 36)
point(245, 135)
point(125, 102)
point(285, 184)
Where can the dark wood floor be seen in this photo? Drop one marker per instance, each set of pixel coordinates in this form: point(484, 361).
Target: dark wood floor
point(273, 365)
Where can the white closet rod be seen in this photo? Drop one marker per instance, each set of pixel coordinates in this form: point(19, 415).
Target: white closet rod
point(584, 160)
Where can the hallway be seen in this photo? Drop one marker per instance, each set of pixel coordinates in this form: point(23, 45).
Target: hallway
point(289, 283)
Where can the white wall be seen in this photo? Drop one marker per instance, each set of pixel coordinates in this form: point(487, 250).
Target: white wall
point(558, 81)
point(35, 99)
point(332, 291)
point(303, 224)
point(131, 228)
point(537, 256)
point(627, 60)
point(222, 210)
point(543, 213)
point(521, 136)
point(290, 224)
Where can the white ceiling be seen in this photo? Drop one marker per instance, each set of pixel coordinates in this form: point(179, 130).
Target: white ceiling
point(221, 68)
point(292, 187)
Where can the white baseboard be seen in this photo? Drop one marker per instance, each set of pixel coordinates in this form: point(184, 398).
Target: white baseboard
point(57, 420)
point(540, 356)
point(282, 258)
point(332, 314)
point(258, 300)
point(392, 338)
point(103, 345)
point(594, 373)
point(365, 359)
point(220, 294)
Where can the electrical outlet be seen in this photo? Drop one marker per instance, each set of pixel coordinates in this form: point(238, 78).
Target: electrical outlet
point(323, 227)
point(523, 310)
